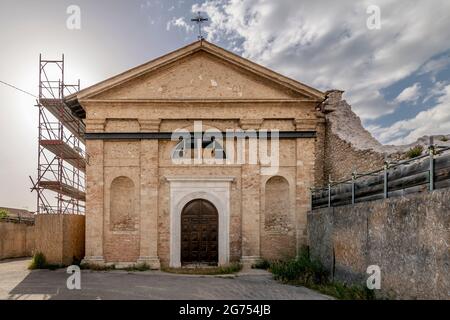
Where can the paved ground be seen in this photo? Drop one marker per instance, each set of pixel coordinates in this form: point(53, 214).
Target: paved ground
point(16, 282)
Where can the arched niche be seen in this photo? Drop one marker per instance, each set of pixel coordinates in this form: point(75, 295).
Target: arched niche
point(277, 205)
point(122, 205)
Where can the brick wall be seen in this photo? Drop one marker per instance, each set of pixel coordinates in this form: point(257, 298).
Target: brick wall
point(121, 247)
point(277, 229)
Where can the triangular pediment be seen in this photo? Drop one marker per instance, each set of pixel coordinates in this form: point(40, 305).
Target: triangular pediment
point(199, 71)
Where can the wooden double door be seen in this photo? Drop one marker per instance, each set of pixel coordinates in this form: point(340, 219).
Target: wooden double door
point(199, 233)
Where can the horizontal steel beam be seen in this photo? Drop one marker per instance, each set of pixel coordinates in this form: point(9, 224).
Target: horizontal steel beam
point(168, 135)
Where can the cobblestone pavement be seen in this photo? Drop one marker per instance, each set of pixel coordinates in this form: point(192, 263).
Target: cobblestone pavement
point(16, 282)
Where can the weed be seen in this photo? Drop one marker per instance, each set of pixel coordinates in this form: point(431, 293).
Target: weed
point(414, 152)
point(96, 267)
point(262, 264)
point(310, 273)
point(139, 267)
point(38, 262)
point(3, 213)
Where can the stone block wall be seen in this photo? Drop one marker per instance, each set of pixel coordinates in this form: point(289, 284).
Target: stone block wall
point(348, 146)
point(342, 158)
point(16, 240)
point(60, 237)
point(407, 237)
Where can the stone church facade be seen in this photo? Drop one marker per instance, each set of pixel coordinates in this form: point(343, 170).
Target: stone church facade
point(141, 207)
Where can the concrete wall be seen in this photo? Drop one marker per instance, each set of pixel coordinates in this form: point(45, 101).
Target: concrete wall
point(16, 240)
point(407, 237)
point(60, 237)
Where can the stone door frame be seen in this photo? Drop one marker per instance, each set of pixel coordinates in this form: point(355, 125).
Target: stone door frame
point(213, 189)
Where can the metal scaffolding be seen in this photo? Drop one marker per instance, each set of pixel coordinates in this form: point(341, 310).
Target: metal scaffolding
point(62, 158)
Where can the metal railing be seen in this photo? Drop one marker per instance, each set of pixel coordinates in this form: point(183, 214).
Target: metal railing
point(420, 175)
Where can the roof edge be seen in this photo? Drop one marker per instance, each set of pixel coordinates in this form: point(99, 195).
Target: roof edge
point(190, 49)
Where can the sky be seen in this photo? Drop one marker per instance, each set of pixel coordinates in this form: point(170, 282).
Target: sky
point(396, 76)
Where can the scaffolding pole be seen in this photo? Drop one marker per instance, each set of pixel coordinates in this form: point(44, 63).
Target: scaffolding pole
point(60, 184)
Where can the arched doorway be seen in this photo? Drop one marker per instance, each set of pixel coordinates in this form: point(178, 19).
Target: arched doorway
point(199, 233)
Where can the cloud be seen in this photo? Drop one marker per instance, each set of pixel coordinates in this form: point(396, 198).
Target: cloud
point(333, 48)
point(410, 94)
point(180, 23)
point(436, 91)
point(433, 121)
point(435, 65)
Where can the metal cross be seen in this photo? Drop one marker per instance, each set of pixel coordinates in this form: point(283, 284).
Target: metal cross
point(199, 20)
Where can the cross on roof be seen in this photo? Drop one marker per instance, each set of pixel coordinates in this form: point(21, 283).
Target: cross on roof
point(199, 20)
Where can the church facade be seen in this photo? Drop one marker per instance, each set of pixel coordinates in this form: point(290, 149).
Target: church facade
point(161, 191)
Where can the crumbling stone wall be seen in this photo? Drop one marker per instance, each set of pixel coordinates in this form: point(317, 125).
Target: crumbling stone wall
point(407, 237)
point(342, 158)
point(320, 177)
point(348, 146)
point(345, 146)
